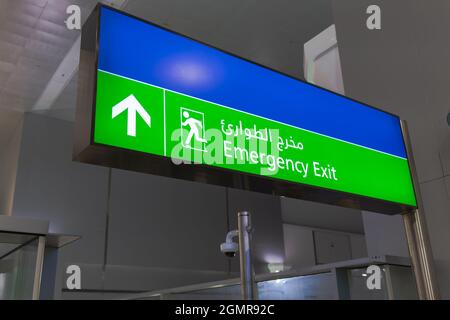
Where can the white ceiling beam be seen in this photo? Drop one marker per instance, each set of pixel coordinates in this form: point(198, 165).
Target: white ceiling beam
point(66, 70)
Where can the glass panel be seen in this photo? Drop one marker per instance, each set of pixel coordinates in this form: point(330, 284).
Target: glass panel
point(397, 283)
point(312, 287)
point(402, 283)
point(10, 241)
point(357, 279)
point(17, 267)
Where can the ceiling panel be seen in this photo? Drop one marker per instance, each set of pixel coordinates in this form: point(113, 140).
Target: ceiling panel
point(33, 41)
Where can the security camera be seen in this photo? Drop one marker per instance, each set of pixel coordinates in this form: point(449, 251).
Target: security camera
point(229, 247)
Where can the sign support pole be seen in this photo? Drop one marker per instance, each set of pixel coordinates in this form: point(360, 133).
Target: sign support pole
point(417, 235)
point(247, 274)
point(38, 267)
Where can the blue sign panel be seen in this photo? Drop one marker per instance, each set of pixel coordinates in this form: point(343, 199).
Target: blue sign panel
point(147, 53)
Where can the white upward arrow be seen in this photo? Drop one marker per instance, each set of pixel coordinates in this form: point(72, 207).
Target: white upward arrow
point(133, 106)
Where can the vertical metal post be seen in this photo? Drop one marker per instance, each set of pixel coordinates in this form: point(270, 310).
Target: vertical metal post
point(417, 235)
point(413, 252)
point(388, 282)
point(38, 270)
point(247, 274)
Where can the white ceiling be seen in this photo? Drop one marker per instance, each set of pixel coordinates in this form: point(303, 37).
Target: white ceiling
point(34, 40)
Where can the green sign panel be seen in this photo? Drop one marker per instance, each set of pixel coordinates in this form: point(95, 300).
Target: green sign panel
point(141, 117)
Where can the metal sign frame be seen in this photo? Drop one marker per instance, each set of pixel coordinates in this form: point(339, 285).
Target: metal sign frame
point(88, 151)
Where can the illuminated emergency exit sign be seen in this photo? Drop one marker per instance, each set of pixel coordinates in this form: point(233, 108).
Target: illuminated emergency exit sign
point(165, 104)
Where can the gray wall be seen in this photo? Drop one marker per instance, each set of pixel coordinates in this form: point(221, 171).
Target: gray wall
point(385, 235)
point(266, 223)
point(322, 216)
point(404, 69)
point(308, 246)
point(160, 232)
point(10, 135)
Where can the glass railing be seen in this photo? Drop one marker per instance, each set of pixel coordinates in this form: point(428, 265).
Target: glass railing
point(311, 287)
point(343, 280)
point(18, 254)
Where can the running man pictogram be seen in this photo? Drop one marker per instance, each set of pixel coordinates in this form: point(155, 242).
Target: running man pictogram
point(194, 128)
